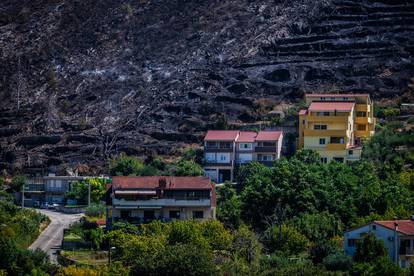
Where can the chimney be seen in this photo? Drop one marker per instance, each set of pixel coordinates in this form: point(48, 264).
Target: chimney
point(162, 183)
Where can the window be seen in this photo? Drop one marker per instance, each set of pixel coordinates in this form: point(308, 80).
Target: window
point(361, 114)
point(211, 145)
point(324, 160)
point(374, 227)
point(361, 127)
point(125, 214)
point(351, 242)
point(326, 114)
point(345, 98)
point(245, 146)
point(149, 214)
point(198, 214)
point(174, 214)
point(210, 157)
point(303, 122)
point(223, 157)
point(322, 141)
point(320, 127)
point(323, 98)
point(337, 140)
point(225, 145)
point(350, 152)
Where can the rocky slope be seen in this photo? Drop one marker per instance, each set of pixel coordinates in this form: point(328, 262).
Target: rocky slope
point(81, 80)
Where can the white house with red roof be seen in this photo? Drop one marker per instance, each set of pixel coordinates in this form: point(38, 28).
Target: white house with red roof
point(397, 236)
point(139, 199)
point(224, 150)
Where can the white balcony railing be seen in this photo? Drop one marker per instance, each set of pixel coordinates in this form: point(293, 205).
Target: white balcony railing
point(162, 202)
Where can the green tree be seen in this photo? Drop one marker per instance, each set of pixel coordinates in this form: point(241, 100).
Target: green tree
point(288, 240)
point(369, 249)
point(17, 183)
point(188, 168)
point(229, 206)
point(127, 166)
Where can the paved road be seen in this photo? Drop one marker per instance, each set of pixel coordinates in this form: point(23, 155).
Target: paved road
point(50, 239)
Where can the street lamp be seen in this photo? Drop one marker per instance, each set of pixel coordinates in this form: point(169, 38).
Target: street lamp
point(109, 254)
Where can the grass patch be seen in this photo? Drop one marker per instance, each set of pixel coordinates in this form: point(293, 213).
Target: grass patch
point(87, 257)
point(72, 237)
point(75, 206)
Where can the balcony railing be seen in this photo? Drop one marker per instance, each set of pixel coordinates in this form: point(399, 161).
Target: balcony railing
point(217, 149)
point(265, 149)
point(162, 202)
point(327, 119)
point(215, 163)
point(325, 132)
point(56, 189)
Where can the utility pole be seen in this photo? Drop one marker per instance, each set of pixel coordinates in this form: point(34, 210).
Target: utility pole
point(19, 83)
point(23, 196)
point(89, 193)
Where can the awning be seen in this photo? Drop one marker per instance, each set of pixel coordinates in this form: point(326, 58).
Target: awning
point(135, 192)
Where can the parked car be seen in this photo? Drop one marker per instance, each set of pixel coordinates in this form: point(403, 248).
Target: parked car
point(44, 205)
point(36, 204)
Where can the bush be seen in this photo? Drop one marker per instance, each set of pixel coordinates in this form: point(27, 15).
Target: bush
point(338, 261)
point(95, 210)
point(369, 249)
point(288, 240)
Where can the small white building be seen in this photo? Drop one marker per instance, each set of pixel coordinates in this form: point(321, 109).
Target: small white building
point(397, 236)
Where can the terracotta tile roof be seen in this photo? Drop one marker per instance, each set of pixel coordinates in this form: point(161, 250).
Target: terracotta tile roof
point(221, 135)
point(405, 227)
point(336, 95)
point(303, 112)
point(331, 106)
point(246, 136)
point(268, 135)
point(154, 182)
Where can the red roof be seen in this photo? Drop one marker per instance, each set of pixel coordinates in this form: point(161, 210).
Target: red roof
point(246, 136)
point(221, 135)
point(268, 135)
point(336, 95)
point(303, 112)
point(154, 182)
point(331, 106)
point(405, 227)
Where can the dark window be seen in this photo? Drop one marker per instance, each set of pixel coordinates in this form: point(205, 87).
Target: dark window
point(350, 152)
point(225, 145)
point(337, 140)
point(361, 114)
point(361, 127)
point(198, 214)
point(374, 227)
point(125, 214)
point(149, 215)
point(175, 214)
point(323, 98)
point(211, 144)
point(324, 160)
point(322, 141)
point(351, 242)
point(326, 114)
point(303, 122)
point(320, 127)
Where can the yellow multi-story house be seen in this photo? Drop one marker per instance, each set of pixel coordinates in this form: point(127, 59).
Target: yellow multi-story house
point(335, 125)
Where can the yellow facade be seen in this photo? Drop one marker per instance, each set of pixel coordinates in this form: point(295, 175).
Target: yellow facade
point(336, 133)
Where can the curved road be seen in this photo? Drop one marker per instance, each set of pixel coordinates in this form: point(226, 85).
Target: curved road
point(51, 238)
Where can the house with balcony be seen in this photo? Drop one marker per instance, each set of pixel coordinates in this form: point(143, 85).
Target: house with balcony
point(48, 189)
point(224, 150)
point(335, 125)
point(397, 236)
point(140, 199)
